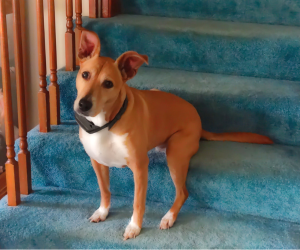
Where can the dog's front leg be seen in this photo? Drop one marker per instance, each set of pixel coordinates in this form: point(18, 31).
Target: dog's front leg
point(102, 173)
point(140, 174)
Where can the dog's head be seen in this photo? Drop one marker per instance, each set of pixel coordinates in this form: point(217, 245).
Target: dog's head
point(100, 79)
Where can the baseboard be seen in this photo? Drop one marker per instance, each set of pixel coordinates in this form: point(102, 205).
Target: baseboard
point(2, 185)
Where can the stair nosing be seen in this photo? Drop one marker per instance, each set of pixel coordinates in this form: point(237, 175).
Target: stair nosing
point(208, 27)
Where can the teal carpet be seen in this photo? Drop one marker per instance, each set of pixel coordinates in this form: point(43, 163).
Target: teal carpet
point(285, 12)
point(58, 218)
point(262, 180)
point(225, 103)
point(238, 63)
point(270, 51)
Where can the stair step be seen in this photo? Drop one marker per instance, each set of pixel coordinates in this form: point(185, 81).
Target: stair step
point(258, 50)
point(58, 218)
point(262, 11)
point(225, 103)
point(250, 179)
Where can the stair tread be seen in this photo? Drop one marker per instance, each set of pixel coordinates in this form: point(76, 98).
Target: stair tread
point(262, 11)
point(225, 103)
point(209, 27)
point(207, 46)
point(237, 177)
point(58, 218)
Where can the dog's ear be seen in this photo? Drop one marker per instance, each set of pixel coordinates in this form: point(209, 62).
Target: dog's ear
point(89, 45)
point(129, 62)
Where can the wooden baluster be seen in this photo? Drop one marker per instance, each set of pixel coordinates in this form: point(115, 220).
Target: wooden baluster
point(53, 88)
point(24, 154)
point(43, 95)
point(93, 8)
point(110, 8)
point(8, 7)
point(70, 38)
point(25, 53)
point(12, 169)
point(78, 29)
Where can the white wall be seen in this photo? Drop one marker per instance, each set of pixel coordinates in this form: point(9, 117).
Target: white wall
point(31, 32)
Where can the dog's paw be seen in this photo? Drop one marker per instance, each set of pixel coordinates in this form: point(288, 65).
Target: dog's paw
point(167, 221)
point(99, 215)
point(131, 231)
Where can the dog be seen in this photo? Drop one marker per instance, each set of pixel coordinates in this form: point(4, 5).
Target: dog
point(125, 123)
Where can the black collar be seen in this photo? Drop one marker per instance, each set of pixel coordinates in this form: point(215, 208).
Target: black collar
point(91, 128)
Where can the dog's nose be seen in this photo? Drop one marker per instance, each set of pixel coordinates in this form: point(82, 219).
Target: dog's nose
point(85, 105)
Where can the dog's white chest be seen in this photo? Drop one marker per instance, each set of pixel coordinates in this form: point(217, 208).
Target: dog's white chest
point(105, 147)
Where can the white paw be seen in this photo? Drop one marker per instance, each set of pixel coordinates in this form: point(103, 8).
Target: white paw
point(131, 231)
point(167, 221)
point(99, 215)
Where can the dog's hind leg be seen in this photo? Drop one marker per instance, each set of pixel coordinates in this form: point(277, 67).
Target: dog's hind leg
point(102, 173)
point(180, 148)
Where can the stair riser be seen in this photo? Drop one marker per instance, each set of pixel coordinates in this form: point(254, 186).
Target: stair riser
point(273, 116)
point(265, 56)
point(285, 12)
point(213, 181)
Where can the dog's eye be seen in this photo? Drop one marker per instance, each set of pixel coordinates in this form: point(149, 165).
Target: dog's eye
point(107, 84)
point(86, 75)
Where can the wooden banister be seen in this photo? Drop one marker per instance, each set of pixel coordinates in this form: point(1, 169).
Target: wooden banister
point(110, 8)
point(24, 154)
point(70, 38)
point(78, 29)
point(93, 8)
point(8, 7)
point(43, 95)
point(53, 88)
point(25, 53)
point(11, 166)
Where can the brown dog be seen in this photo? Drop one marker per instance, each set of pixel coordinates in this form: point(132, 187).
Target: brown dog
point(149, 119)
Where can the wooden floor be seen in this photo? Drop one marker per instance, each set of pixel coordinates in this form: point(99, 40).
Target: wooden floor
point(2, 185)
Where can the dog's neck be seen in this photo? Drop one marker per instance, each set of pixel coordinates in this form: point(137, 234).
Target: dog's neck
point(114, 110)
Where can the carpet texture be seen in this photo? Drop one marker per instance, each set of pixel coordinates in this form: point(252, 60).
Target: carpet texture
point(245, 178)
point(224, 103)
point(207, 46)
point(263, 11)
point(58, 218)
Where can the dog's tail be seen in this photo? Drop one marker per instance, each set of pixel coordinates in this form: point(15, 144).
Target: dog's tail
point(236, 137)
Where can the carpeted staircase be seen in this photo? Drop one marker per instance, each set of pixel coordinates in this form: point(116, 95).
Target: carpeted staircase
point(238, 63)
